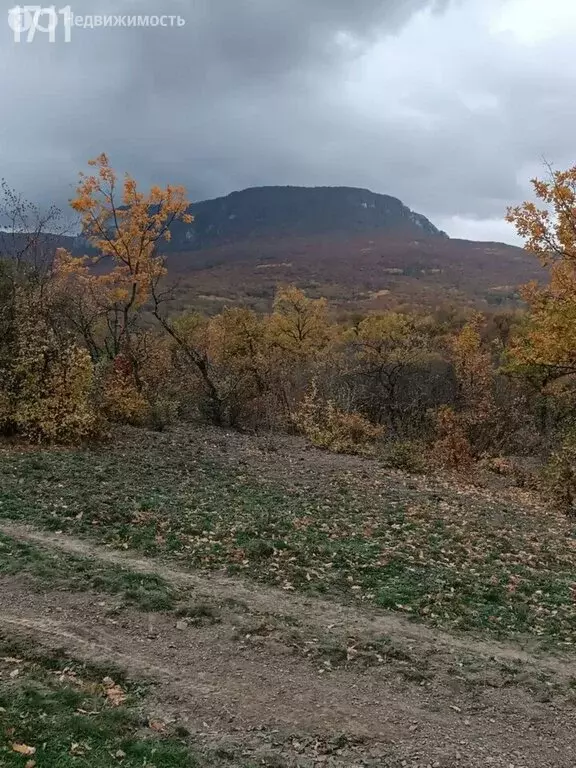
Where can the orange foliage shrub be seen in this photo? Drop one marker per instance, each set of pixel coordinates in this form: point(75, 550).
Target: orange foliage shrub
point(451, 448)
point(118, 395)
point(326, 426)
point(49, 394)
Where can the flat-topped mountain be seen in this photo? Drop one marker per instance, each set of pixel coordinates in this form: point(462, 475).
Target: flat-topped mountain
point(360, 249)
point(297, 211)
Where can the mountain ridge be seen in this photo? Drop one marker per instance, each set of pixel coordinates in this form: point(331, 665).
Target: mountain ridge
point(266, 211)
point(362, 250)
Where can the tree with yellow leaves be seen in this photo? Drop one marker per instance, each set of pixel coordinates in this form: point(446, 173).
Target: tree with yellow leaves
point(544, 348)
point(470, 428)
point(125, 227)
point(385, 349)
point(103, 297)
point(299, 326)
point(224, 360)
point(46, 376)
point(474, 370)
point(547, 340)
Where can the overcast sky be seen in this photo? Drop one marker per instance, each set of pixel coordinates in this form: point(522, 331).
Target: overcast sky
point(451, 105)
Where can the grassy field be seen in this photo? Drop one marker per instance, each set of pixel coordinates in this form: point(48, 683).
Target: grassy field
point(55, 570)
point(57, 713)
point(460, 560)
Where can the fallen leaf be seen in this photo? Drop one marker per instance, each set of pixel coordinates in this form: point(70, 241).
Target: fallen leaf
point(114, 693)
point(23, 749)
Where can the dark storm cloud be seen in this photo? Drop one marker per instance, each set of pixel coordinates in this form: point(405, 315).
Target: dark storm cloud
point(412, 97)
point(203, 101)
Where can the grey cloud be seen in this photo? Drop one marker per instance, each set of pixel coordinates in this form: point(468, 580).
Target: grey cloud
point(134, 92)
point(430, 108)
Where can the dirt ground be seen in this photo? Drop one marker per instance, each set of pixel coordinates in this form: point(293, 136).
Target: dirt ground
point(285, 679)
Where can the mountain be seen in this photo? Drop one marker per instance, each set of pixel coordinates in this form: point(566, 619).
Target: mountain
point(296, 211)
point(360, 249)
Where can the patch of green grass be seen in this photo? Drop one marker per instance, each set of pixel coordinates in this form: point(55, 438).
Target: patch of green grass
point(62, 571)
point(456, 560)
point(61, 714)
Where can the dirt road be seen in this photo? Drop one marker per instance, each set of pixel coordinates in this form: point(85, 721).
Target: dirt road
point(290, 680)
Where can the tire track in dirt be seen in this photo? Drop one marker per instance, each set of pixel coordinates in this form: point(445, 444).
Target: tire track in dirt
point(311, 612)
point(250, 695)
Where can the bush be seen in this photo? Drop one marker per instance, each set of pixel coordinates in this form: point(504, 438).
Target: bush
point(162, 414)
point(326, 426)
point(51, 398)
point(118, 395)
point(451, 448)
point(559, 476)
point(46, 377)
point(407, 455)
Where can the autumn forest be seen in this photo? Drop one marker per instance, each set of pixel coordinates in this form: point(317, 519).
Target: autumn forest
point(90, 342)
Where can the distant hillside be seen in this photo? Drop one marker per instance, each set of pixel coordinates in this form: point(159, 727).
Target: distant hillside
point(290, 211)
point(358, 272)
point(361, 250)
point(32, 246)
